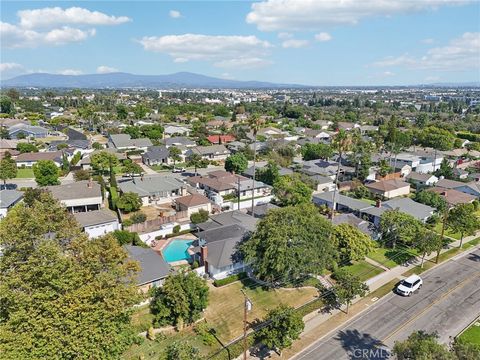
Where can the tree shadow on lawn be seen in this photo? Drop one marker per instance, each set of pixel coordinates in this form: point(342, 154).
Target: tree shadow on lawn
point(362, 346)
point(400, 257)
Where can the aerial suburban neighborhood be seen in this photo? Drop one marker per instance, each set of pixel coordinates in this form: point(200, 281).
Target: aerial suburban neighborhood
point(194, 217)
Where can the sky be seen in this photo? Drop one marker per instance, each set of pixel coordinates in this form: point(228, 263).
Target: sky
point(310, 42)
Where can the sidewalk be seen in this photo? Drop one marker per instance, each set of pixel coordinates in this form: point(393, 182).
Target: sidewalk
point(319, 324)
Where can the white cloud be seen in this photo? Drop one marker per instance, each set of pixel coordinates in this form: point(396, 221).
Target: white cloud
point(70, 72)
point(180, 60)
point(220, 49)
point(175, 14)
point(285, 35)
point(13, 36)
point(295, 43)
point(388, 73)
point(297, 15)
point(4, 67)
point(323, 36)
point(103, 69)
point(460, 54)
point(427, 41)
point(52, 16)
point(245, 63)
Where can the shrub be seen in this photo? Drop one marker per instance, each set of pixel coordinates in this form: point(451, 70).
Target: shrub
point(150, 334)
point(204, 331)
point(125, 237)
point(199, 217)
point(230, 279)
point(138, 217)
point(176, 229)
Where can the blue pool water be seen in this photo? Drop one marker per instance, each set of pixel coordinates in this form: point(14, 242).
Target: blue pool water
point(177, 250)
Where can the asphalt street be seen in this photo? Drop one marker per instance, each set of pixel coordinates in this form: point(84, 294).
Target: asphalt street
point(448, 301)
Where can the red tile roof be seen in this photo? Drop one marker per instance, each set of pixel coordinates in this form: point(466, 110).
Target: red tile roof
point(221, 139)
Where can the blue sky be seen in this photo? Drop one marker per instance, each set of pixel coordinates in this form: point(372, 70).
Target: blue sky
point(322, 42)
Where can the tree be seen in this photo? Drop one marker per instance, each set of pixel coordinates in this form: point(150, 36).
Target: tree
point(199, 217)
point(352, 244)
point(194, 160)
point(290, 243)
point(46, 173)
point(6, 105)
point(284, 327)
point(254, 123)
point(396, 226)
point(312, 151)
point(122, 111)
point(182, 351)
point(431, 198)
point(8, 168)
point(291, 190)
point(24, 147)
point(103, 160)
point(140, 111)
point(421, 345)
point(129, 202)
point(462, 219)
point(60, 292)
point(125, 237)
point(465, 350)
point(445, 170)
point(174, 154)
point(131, 168)
point(181, 299)
point(347, 287)
point(97, 146)
point(384, 168)
point(81, 174)
point(341, 143)
point(236, 163)
point(269, 174)
point(427, 242)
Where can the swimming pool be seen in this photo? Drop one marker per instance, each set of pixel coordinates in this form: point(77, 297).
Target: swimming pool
point(177, 250)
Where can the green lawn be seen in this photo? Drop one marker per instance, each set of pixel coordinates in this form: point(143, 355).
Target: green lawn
point(448, 232)
point(472, 334)
point(471, 243)
point(363, 270)
point(431, 263)
point(390, 257)
point(25, 173)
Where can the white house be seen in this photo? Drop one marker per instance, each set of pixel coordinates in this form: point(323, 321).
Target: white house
point(98, 222)
point(80, 196)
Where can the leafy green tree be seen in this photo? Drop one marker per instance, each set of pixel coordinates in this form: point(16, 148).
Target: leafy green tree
point(103, 160)
point(421, 345)
point(125, 237)
point(199, 217)
point(97, 146)
point(269, 174)
point(8, 168)
point(181, 299)
point(352, 244)
point(174, 153)
point(24, 147)
point(46, 173)
point(140, 111)
point(396, 226)
point(131, 168)
point(436, 138)
point(290, 243)
point(427, 242)
point(81, 174)
point(194, 160)
point(129, 202)
point(462, 219)
point(133, 131)
point(312, 151)
point(384, 168)
point(284, 327)
point(154, 132)
point(122, 111)
point(6, 105)
point(445, 170)
point(347, 287)
point(236, 163)
point(431, 198)
point(62, 295)
point(291, 190)
point(182, 351)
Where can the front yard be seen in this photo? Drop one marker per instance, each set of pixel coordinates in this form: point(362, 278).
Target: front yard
point(391, 257)
point(363, 269)
point(25, 173)
point(472, 334)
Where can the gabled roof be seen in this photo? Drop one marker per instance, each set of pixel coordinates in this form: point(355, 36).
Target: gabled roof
point(151, 185)
point(37, 156)
point(192, 200)
point(408, 206)
point(420, 177)
point(76, 190)
point(9, 197)
point(388, 185)
point(450, 184)
point(178, 140)
point(156, 153)
point(452, 196)
point(124, 140)
point(220, 139)
point(96, 217)
point(27, 128)
point(152, 266)
point(214, 149)
point(343, 200)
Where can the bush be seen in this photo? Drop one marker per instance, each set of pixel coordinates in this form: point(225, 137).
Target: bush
point(230, 279)
point(125, 237)
point(129, 202)
point(138, 217)
point(199, 217)
point(178, 233)
point(176, 229)
point(127, 222)
point(81, 174)
point(150, 334)
point(204, 331)
point(195, 265)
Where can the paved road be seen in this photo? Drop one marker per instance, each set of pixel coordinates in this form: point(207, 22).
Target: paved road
point(448, 301)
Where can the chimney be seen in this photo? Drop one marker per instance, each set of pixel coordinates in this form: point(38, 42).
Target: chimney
point(90, 183)
point(378, 203)
point(203, 257)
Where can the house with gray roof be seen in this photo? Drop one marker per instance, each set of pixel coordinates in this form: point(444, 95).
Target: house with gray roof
point(342, 202)
point(27, 131)
point(80, 196)
point(214, 152)
point(179, 141)
point(406, 205)
point(125, 142)
point(31, 158)
point(153, 268)
point(97, 222)
point(363, 225)
point(154, 189)
point(172, 130)
point(156, 155)
point(8, 199)
point(421, 180)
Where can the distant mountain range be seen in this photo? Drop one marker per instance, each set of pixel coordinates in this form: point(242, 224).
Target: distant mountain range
point(125, 80)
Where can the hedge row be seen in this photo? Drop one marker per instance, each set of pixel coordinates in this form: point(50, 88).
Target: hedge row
point(468, 136)
point(230, 279)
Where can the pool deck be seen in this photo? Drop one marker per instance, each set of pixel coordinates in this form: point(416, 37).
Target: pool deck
point(161, 244)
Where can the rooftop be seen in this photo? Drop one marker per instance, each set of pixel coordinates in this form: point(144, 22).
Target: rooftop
point(76, 190)
point(96, 217)
point(152, 266)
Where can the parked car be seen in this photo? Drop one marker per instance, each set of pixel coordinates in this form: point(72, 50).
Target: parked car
point(409, 285)
point(179, 170)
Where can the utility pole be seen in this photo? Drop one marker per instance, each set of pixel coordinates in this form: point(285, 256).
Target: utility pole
point(246, 308)
point(444, 222)
point(238, 193)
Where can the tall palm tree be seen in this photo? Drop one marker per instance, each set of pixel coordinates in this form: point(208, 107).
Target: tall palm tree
point(254, 122)
point(342, 143)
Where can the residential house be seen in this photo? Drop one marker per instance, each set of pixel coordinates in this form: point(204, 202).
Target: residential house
point(406, 205)
point(472, 188)
point(220, 139)
point(281, 171)
point(317, 134)
point(460, 173)
point(153, 268)
point(86, 162)
point(174, 130)
point(324, 183)
point(453, 197)
point(421, 180)
point(214, 152)
point(156, 155)
point(80, 196)
point(389, 188)
point(324, 168)
point(342, 202)
point(30, 159)
point(154, 189)
point(193, 203)
point(421, 163)
point(125, 142)
point(260, 211)
point(179, 142)
point(363, 225)
point(20, 130)
point(97, 222)
point(8, 199)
